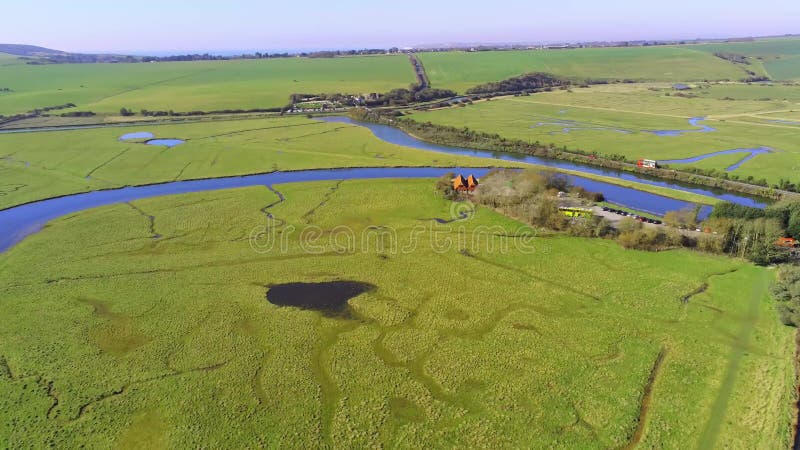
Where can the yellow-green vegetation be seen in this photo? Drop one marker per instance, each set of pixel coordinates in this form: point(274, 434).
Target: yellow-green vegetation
point(460, 71)
point(616, 120)
point(779, 58)
point(199, 85)
point(147, 325)
point(34, 166)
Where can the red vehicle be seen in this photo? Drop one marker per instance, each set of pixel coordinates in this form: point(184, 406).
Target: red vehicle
point(647, 163)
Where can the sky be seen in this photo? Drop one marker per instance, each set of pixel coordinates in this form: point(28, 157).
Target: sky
point(165, 26)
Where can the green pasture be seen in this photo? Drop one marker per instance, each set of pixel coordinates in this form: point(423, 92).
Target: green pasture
point(779, 57)
point(200, 85)
point(122, 331)
point(597, 119)
point(462, 70)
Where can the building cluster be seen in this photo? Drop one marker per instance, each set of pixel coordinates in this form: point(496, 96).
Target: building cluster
point(468, 184)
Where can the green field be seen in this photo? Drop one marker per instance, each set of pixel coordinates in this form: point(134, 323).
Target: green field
point(598, 116)
point(47, 164)
point(201, 85)
point(460, 70)
point(779, 57)
point(120, 331)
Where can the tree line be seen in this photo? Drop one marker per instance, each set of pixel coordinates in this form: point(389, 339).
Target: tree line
point(528, 82)
point(733, 57)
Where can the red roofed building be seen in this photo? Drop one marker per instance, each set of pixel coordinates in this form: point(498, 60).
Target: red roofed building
point(472, 183)
point(460, 184)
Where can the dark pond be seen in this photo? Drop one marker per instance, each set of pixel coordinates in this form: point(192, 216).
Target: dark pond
point(328, 297)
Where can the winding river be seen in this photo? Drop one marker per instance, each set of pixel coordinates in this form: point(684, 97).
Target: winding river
point(20, 221)
point(399, 137)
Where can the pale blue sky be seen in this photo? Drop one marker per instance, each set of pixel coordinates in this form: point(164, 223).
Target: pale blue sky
point(200, 25)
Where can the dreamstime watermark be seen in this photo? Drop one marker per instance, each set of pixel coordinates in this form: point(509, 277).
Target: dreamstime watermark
point(440, 235)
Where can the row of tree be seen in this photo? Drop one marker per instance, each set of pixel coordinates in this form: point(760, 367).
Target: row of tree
point(733, 57)
point(268, 55)
point(78, 114)
point(528, 82)
point(126, 112)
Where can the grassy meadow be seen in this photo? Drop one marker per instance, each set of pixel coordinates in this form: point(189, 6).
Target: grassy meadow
point(778, 58)
point(616, 120)
point(198, 85)
point(46, 164)
point(122, 330)
point(461, 70)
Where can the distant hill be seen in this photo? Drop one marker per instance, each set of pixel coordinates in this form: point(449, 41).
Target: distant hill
point(41, 55)
point(29, 50)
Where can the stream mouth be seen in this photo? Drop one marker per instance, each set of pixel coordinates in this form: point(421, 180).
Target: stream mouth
point(330, 298)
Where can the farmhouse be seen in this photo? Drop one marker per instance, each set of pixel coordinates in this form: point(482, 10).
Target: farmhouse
point(468, 184)
point(787, 242)
point(472, 182)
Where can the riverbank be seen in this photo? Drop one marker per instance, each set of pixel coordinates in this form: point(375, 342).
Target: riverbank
point(640, 181)
point(455, 137)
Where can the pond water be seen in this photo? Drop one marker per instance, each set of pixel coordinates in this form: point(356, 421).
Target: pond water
point(137, 135)
point(165, 142)
point(329, 297)
point(694, 121)
point(750, 154)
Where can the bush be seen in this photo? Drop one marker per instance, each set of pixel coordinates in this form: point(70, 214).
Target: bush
point(786, 291)
point(444, 186)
